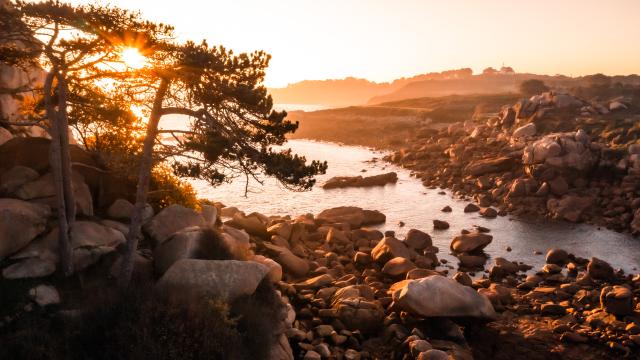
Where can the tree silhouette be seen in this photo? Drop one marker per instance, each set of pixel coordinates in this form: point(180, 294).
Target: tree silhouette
point(231, 127)
point(78, 46)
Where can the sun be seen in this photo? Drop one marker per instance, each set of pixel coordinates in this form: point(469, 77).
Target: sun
point(132, 58)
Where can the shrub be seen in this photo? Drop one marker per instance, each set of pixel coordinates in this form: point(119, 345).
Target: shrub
point(167, 189)
point(532, 87)
point(139, 325)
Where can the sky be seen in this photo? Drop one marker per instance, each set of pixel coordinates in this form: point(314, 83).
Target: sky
point(384, 40)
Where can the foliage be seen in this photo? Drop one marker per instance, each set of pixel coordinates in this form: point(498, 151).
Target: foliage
point(169, 189)
point(532, 87)
point(232, 125)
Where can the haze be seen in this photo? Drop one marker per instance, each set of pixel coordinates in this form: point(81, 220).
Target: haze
point(384, 40)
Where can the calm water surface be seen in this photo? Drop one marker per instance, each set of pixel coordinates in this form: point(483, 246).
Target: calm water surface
point(410, 202)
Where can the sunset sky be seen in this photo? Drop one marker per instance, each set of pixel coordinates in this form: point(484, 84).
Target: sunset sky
point(383, 40)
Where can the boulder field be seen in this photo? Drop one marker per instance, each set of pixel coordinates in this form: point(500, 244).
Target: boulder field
point(553, 155)
point(346, 290)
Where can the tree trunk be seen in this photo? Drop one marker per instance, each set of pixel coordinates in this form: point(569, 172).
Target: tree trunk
point(55, 161)
point(67, 174)
point(146, 163)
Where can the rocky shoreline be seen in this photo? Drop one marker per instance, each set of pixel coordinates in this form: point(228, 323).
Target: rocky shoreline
point(553, 155)
point(351, 292)
point(370, 295)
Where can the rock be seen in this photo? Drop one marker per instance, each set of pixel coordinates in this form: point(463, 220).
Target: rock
point(421, 273)
point(209, 213)
point(237, 240)
point(189, 243)
point(45, 295)
point(324, 330)
point(89, 241)
point(446, 209)
point(617, 300)
point(470, 243)
point(525, 131)
point(337, 239)
point(359, 181)
point(316, 282)
point(33, 152)
point(488, 212)
point(543, 190)
point(282, 229)
point(418, 240)
point(219, 279)
point(373, 217)
point(253, 224)
point(143, 271)
point(562, 151)
point(487, 166)
point(558, 186)
point(170, 220)
point(281, 350)
point(433, 354)
point(351, 354)
point(229, 211)
point(275, 270)
point(312, 355)
point(447, 298)
point(29, 268)
point(419, 346)
point(86, 234)
point(566, 100)
point(552, 310)
point(599, 269)
point(43, 190)
point(463, 278)
point(440, 225)
point(398, 266)
point(362, 258)
point(352, 215)
point(569, 207)
point(291, 263)
point(123, 209)
point(14, 178)
point(20, 223)
point(518, 188)
point(358, 313)
point(471, 261)
point(498, 295)
point(389, 248)
point(509, 267)
point(557, 256)
point(471, 208)
point(116, 225)
point(617, 105)
point(5, 136)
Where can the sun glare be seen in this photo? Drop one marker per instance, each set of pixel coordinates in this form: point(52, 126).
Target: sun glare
point(132, 58)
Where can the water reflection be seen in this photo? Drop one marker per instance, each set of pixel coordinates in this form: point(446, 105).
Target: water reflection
point(408, 201)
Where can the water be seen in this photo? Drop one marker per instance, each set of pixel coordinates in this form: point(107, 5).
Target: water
point(299, 107)
point(417, 206)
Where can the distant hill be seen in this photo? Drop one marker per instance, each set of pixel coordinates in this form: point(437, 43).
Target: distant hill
point(386, 125)
point(352, 91)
